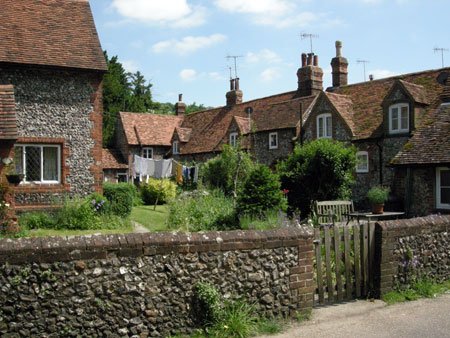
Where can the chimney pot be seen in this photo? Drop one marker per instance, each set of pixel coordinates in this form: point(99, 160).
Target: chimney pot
point(180, 97)
point(231, 84)
point(370, 77)
point(316, 60)
point(338, 45)
point(310, 57)
point(303, 59)
point(237, 83)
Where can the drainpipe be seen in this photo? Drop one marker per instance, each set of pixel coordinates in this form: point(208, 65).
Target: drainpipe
point(380, 160)
point(300, 133)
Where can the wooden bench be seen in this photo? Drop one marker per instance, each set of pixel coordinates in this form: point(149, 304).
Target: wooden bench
point(333, 211)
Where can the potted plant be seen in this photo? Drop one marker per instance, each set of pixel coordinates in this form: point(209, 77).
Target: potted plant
point(377, 196)
point(11, 174)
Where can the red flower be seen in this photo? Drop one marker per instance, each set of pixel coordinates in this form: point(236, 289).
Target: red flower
point(285, 191)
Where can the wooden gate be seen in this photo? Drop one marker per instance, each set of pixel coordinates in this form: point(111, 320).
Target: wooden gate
point(344, 256)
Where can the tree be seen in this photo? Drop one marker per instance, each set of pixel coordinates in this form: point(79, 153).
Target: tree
point(140, 99)
point(261, 192)
point(116, 92)
point(192, 108)
point(320, 170)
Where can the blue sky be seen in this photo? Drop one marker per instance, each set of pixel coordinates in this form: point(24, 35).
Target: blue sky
point(181, 45)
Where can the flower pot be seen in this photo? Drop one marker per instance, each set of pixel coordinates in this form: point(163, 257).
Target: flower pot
point(377, 209)
point(15, 179)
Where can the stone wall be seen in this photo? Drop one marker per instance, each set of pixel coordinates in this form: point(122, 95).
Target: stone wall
point(142, 284)
point(428, 240)
point(61, 107)
point(260, 145)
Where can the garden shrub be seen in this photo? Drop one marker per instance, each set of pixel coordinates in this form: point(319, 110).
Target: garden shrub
point(153, 190)
point(37, 220)
point(221, 171)
point(261, 192)
point(99, 203)
point(207, 305)
point(320, 170)
point(202, 211)
point(120, 197)
point(76, 214)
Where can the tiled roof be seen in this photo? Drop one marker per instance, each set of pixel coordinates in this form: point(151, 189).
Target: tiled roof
point(209, 127)
point(8, 120)
point(184, 134)
point(367, 111)
point(243, 124)
point(149, 129)
point(431, 142)
point(416, 91)
point(111, 159)
point(50, 33)
point(343, 105)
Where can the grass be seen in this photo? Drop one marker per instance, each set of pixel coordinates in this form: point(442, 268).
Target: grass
point(423, 288)
point(154, 220)
point(52, 232)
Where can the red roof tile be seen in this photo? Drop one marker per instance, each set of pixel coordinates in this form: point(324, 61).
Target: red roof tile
point(50, 33)
point(111, 159)
point(431, 142)
point(149, 129)
point(184, 134)
point(8, 120)
point(209, 127)
point(367, 97)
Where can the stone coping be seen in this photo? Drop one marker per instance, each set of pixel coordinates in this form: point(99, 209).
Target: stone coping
point(51, 249)
point(415, 225)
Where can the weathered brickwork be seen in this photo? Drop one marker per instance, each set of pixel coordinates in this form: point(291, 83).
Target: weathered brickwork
point(63, 107)
point(142, 284)
point(428, 240)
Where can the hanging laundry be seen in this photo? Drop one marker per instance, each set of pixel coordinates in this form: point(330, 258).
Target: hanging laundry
point(179, 173)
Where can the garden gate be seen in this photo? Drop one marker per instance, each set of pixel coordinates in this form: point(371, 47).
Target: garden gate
point(344, 256)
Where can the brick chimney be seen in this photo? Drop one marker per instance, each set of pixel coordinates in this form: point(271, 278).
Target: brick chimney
point(339, 66)
point(234, 96)
point(180, 106)
point(309, 76)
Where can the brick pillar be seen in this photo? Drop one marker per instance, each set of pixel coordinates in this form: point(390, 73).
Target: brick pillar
point(7, 150)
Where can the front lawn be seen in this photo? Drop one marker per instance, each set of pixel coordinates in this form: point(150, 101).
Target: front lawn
point(154, 220)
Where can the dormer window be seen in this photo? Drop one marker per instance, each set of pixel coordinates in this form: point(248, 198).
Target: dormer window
point(399, 118)
point(175, 149)
point(273, 140)
point(233, 139)
point(324, 129)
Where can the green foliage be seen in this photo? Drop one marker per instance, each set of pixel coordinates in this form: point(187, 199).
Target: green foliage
point(99, 203)
point(37, 220)
point(120, 197)
point(270, 219)
point(378, 194)
point(302, 316)
point(206, 304)
point(221, 171)
point(154, 190)
point(261, 192)
point(202, 211)
point(319, 170)
point(193, 107)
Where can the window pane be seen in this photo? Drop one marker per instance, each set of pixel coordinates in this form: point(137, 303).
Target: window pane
point(362, 161)
point(445, 178)
point(328, 124)
point(50, 164)
point(33, 163)
point(320, 126)
point(404, 122)
point(445, 195)
point(394, 118)
point(18, 159)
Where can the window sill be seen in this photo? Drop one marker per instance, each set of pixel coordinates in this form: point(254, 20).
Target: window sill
point(42, 188)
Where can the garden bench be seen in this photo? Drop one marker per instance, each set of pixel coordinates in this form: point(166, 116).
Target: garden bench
point(333, 211)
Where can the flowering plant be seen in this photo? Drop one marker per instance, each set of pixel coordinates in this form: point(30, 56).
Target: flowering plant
point(378, 194)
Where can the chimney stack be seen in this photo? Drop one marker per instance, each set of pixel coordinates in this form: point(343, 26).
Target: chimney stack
point(234, 96)
point(180, 106)
point(309, 76)
point(370, 77)
point(339, 66)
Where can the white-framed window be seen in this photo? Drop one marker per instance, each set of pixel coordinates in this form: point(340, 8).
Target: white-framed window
point(399, 118)
point(175, 149)
point(362, 162)
point(324, 128)
point(40, 163)
point(273, 140)
point(147, 152)
point(233, 139)
point(443, 188)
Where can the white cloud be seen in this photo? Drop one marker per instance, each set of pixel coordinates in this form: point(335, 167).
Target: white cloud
point(277, 7)
point(188, 75)
point(188, 44)
point(270, 74)
point(130, 66)
point(381, 73)
point(176, 13)
point(216, 76)
point(265, 55)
